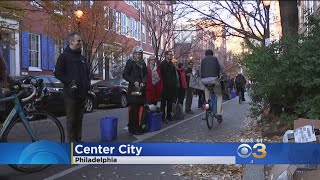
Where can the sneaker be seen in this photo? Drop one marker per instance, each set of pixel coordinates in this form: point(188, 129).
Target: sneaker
point(219, 118)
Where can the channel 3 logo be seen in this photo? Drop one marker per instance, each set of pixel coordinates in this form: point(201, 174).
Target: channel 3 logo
point(245, 150)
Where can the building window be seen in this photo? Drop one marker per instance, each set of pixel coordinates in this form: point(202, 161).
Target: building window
point(124, 24)
point(77, 2)
point(133, 28)
point(138, 30)
point(128, 26)
point(311, 10)
point(107, 17)
point(143, 8)
point(144, 38)
point(118, 22)
point(91, 2)
point(150, 37)
point(150, 12)
point(34, 50)
point(58, 48)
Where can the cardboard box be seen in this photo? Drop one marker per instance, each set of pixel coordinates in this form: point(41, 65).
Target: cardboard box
point(291, 169)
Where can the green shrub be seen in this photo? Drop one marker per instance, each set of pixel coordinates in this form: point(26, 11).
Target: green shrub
point(286, 75)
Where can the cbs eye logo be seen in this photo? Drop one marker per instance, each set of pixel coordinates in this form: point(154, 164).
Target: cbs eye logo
point(245, 150)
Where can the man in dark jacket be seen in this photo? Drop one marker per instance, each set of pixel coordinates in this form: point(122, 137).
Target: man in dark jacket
point(210, 72)
point(72, 70)
point(169, 77)
point(189, 89)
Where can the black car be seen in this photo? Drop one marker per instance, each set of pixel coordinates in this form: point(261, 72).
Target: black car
point(54, 102)
point(112, 91)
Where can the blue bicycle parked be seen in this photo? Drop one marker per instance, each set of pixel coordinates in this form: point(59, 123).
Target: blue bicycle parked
point(29, 126)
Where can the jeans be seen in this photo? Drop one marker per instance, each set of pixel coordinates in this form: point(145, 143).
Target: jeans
point(218, 91)
point(74, 116)
point(189, 98)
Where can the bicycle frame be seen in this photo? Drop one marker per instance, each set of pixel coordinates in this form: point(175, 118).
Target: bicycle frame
point(16, 110)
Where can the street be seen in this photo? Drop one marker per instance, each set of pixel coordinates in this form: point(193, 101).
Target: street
point(191, 129)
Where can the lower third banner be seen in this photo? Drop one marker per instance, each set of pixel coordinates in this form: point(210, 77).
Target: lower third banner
point(46, 152)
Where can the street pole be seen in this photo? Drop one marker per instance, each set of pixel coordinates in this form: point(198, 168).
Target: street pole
point(268, 26)
point(266, 5)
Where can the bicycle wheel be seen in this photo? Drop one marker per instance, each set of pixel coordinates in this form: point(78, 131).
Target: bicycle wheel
point(209, 120)
point(45, 127)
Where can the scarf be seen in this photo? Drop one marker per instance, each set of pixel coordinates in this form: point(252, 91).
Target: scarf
point(155, 75)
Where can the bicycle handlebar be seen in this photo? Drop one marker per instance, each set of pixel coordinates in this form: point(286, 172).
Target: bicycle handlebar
point(34, 91)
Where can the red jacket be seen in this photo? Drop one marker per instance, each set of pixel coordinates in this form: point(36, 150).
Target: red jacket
point(183, 76)
point(153, 92)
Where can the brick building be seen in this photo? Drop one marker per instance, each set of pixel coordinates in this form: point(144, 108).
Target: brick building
point(36, 51)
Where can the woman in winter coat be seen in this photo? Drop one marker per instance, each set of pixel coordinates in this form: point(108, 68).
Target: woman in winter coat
point(182, 83)
point(154, 82)
point(135, 73)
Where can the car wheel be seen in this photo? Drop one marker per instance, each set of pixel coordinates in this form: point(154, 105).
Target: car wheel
point(88, 105)
point(124, 101)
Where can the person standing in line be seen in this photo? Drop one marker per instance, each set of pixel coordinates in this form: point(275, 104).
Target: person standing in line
point(182, 83)
point(169, 77)
point(189, 90)
point(154, 82)
point(136, 74)
point(73, 71)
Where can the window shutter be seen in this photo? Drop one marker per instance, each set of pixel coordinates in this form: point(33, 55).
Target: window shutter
point(51, 53)
point(44, 52)
point(25, 49)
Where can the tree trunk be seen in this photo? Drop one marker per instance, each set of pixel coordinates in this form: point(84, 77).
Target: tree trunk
point(289, 17)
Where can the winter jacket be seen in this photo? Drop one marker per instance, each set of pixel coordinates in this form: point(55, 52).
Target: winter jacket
point(72, 67)
point(132, 73)
point(210, 67)
point(153, 91)
point(188, 70)
point(182, 78)
point(169, 78)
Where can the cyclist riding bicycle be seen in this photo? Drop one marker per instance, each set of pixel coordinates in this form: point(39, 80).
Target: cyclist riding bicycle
point(210, 70)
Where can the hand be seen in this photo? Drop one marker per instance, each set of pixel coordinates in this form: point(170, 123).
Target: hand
point(136, 84)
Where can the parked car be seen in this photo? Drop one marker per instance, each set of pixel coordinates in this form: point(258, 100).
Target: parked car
point(112, 91)
point(54, 102)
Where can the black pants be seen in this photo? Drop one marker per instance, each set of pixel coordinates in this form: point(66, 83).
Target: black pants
point(134, 126)
point(189, 98)
point(241, 90)
point(201, 98)
point(166, 102)
point(74, 112)
point(181, 95)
